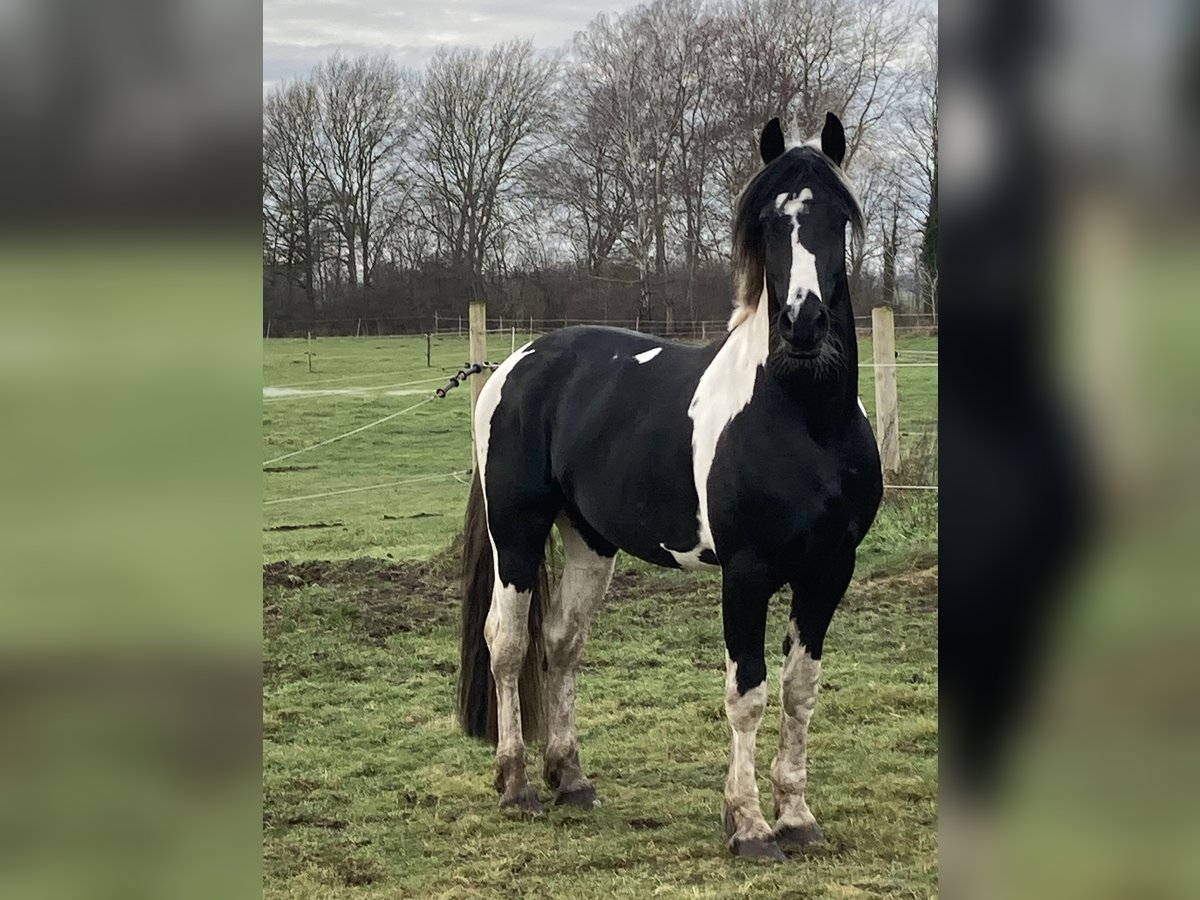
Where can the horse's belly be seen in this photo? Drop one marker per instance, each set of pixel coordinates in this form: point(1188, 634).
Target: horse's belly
point(652, 516)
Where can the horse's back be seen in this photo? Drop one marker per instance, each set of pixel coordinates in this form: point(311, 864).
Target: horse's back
point(597, 417)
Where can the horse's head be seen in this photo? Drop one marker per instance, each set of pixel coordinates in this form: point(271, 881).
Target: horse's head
point(790, 237)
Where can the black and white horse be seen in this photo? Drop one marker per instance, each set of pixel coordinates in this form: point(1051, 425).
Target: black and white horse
point(752, 454)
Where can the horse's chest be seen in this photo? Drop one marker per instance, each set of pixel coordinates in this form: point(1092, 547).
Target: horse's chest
point(770, 484)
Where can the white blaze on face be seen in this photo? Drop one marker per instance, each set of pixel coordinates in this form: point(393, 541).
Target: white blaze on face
point(802, 280)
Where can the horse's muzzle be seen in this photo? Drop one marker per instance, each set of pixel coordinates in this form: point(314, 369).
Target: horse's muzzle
point(804, 334)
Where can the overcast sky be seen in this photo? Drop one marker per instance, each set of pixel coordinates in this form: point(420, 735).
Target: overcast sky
point(299, 33)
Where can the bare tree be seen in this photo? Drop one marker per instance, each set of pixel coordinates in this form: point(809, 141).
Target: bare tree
point(581, 175)
point(631, 102)
point(362, 129)
point(607, 180)
point(691, 64)
point(843, 56)
point(293, 201)
point(479, 120)
point(919, 144)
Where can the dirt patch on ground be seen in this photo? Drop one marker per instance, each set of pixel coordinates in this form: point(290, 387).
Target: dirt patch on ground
point(309, 525)
point(918, 582)
point(386, 598)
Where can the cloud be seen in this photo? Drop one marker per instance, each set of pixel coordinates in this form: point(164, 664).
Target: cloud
point(297, 34)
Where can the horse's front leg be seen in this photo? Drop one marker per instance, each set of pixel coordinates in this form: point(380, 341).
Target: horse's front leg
point(814, 598)
point(745, 592)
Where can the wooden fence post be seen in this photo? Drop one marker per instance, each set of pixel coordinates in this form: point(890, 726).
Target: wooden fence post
point(477, 350)
point(887, 412)
point(309, 354)
point(428, 349)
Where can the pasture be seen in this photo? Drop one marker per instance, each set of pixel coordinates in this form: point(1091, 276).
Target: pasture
point(370, 790)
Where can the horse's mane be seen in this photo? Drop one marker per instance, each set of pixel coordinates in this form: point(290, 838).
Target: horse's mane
point(805, 163)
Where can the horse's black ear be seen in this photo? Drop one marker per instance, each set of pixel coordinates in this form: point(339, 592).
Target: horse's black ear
point(833, 138)
point(770, 143)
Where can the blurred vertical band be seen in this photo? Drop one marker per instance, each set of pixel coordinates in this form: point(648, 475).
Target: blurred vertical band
point(129, 494)
point(1069, 487)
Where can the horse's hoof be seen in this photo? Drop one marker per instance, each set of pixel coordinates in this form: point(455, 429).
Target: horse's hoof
point(753, 848)
point(798, 837)
point(580, 798)
point(524, 803)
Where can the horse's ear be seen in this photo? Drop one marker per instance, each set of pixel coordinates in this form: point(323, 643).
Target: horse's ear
point(770, 143)
point(833, 138)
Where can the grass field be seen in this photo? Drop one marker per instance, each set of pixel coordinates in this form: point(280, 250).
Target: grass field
point(370, 790)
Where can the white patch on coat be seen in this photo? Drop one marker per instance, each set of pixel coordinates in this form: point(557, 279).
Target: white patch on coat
point(798, 689)
point(690, 559)
point(724, 390)
point(485, 409)
point(863, 409)
point(646, 355)
point(745, 712)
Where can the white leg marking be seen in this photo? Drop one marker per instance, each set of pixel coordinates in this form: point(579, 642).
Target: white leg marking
point(745, 712)
point(507, 633)
point(789, 771)
point(646, 355)
point(585, 578)
point(725, 389)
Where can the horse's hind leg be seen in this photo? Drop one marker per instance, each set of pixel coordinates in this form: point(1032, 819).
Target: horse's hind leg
point(585, 577)
point(519, 537)
point(814, 598)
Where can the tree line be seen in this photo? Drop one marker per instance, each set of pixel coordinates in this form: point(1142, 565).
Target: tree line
point(598, 181)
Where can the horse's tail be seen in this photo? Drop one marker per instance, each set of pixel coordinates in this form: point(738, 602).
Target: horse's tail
point(476, 689)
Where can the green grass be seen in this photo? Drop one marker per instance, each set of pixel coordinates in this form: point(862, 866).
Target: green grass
point(371, 791)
